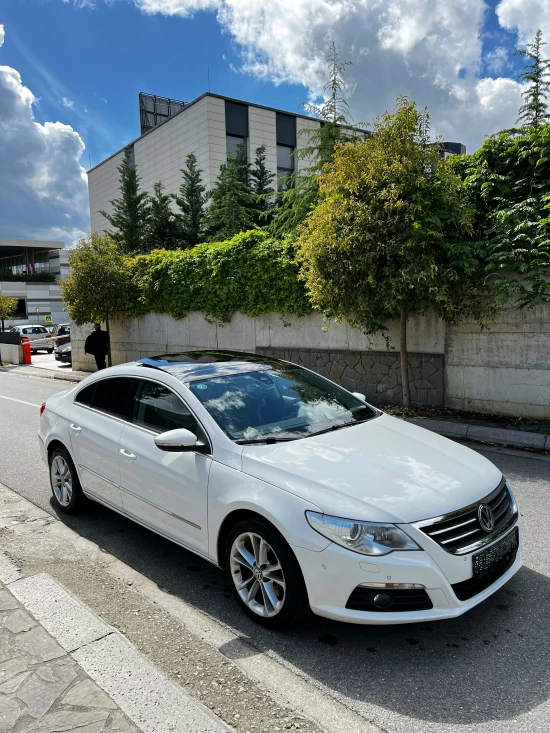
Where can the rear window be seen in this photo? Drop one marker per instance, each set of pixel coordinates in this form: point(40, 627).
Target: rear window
point(112, 396)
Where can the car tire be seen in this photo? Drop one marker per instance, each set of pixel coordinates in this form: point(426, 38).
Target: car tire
point(285, 586)
point(64, 482)
point(50, 351)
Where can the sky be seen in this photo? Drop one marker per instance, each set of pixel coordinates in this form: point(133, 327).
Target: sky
point(71, 71)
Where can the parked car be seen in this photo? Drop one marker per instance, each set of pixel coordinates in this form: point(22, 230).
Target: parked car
point(64, 354)
point(305, 494)
point(38, 335)
point(62, 333)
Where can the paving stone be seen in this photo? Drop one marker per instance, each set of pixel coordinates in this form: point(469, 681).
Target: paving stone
point(39, 645)
point(92, 721)
point(13, 684)
point(119, 723)
point(336, 371)
point(10, 668)
point(41, 690)
point(7, 601)
point(19, 621)
point(88, 694)
point(10, 710)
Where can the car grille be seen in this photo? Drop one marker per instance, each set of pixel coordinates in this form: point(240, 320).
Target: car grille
point(402, 599)
point(461, 532)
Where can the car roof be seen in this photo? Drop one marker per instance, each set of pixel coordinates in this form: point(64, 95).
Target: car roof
point(190, 366)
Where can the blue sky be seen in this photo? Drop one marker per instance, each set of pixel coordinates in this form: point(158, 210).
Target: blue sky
point(71, 70)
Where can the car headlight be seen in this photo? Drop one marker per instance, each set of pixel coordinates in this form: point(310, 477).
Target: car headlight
point(367, 538)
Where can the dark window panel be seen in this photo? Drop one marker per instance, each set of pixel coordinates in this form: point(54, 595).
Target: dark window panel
point(285, 157)
point(236, 119)
point(232, 145)
point(286, 130)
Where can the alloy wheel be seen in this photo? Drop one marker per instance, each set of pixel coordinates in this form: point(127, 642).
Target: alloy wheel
point(62, 481)
point(258, 575)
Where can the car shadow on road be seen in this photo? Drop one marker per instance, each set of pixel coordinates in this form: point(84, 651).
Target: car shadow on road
point(490, 664)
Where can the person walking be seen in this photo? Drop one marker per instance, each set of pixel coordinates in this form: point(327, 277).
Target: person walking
point(97, 344)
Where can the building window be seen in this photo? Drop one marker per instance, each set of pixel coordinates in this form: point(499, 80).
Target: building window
point(286, 145)
point(233, 142)
point(236, 119)
point(285, 166)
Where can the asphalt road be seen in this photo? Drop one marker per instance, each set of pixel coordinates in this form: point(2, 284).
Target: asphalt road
point(488, 671)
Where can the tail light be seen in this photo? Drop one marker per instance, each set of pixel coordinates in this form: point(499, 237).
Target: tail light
point(42, 408)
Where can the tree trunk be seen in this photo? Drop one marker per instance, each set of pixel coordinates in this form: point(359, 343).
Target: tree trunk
point(109, 359)
point(404, 361)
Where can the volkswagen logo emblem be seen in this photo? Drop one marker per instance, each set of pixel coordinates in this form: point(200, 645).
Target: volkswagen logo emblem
point(486, 518)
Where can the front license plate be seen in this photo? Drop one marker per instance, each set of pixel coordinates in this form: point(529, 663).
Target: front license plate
point(503, 550)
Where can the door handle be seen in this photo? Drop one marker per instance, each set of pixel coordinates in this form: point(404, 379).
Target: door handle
point(131, 456)
point(75, 428)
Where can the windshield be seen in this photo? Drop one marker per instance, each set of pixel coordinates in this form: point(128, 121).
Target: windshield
point(281, 403)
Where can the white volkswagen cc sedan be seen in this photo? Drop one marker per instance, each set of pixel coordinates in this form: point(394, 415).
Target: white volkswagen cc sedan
point(304, 494)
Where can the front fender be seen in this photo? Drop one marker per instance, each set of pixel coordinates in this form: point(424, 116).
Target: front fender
point(230, 490)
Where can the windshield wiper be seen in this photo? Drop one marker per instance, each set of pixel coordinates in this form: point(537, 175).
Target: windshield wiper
point(338, 426)
point(269, 441)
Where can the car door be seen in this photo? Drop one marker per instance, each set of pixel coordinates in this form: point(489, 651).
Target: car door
point(96, 421)
point(167, 491)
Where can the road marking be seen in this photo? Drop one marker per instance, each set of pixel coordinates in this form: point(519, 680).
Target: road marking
point(12, 399)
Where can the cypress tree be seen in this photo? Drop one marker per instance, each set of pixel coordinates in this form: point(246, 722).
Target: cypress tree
point(232, 204)
point(191, 202)
point(131, 210)
point(163, 230)
point(262, 188)
point(534, 111)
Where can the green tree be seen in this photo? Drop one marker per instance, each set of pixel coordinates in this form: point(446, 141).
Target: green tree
point(390, 236)
point(508, 183)
point(163, 227)
point(232, 203)
point(100, 282)
point(192, 203)
point(536, 72)
point(261, 183)
point(302, 186)
point(8, 307)
point(131, 210)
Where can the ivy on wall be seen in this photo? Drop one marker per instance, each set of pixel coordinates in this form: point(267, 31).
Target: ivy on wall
point(251, 274)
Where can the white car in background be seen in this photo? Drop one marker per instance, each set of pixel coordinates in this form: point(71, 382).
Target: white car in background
point(39, 336)
point(307, 496)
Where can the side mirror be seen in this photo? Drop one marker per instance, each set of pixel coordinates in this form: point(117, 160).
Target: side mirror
point(176, 440)
point(360, 396)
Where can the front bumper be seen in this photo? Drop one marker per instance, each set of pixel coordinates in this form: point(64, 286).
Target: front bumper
point(332, 575)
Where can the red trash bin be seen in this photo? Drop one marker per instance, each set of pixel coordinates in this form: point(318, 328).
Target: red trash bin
point(26, 346)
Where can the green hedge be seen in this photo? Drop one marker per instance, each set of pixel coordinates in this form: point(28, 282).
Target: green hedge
point(251, 274)
point(38, 277)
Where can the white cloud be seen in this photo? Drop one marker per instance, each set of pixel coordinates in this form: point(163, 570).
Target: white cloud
point(525, 17)
point(67, 102)
point(497, 60)
point(42, 184)
point(430, 50)
point(2, 35)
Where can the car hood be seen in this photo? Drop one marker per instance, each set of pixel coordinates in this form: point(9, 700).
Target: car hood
point(384, 470)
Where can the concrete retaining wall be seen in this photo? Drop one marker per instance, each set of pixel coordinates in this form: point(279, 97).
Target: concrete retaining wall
point(505, 370)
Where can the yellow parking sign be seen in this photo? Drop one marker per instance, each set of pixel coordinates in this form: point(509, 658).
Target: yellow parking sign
point(47, 319)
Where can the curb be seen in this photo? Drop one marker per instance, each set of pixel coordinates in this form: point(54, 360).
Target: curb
point(483, 434)
point(149, 699)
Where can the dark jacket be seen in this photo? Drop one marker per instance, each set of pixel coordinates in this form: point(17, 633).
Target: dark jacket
point(97, 343)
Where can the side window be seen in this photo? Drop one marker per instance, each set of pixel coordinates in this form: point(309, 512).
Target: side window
point(114, 396)
point(27, 330)
point(158, 408)
point(86, 395)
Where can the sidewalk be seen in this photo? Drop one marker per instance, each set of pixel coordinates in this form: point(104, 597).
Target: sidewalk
point(63, 669)
point(41, 685)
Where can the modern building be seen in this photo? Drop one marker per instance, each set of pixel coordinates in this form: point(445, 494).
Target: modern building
point(211, 126)
point(29, 271)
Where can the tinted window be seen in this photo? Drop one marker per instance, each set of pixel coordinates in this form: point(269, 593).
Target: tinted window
point(284, 402)
point(236, 119)
point(158, 408)
point(113, 396)
point(86, 395)
point(286, 129)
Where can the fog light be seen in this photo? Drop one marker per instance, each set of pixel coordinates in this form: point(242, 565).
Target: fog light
point(382, 600)
point(389, 586)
